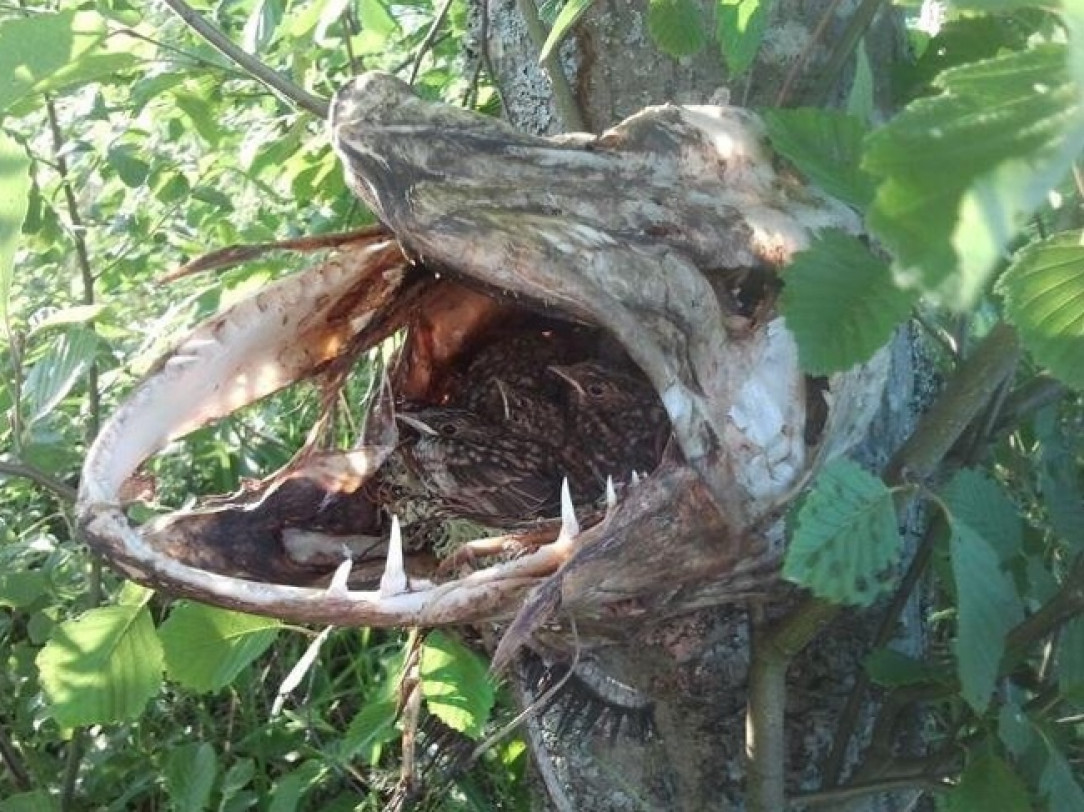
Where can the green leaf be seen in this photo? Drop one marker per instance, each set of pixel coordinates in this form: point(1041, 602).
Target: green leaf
point(37, 801)
point(455, 684)
point(860, 96)
point(826, 147)
point(190, 775)
point(101, 667)
point(131, 169)
point(50, 52)
point(676, 26)
point(20, 589)
point(206, 648)
point(237, 777)
point(1057, 783)
point(840, 302)
point(1071, 658)
point(371, 727)
point(375, 17)
point(1044, 298)
point(891, 669)
point(846, 537)
point(14, 200)
point(1060, 475)
point(989, 783)
point(961, 171)
point(572, 11)
point(985, 508)
point(987, 608)
point(741, 27)
point(52, 378)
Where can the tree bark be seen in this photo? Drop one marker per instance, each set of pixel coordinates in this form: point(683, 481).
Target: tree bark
point(693, 670)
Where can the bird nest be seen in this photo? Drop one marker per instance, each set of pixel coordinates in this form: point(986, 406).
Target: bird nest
point(654, 250)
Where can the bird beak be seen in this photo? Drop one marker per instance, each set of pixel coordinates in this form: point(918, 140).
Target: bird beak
point(419, 426)
point(562, 373)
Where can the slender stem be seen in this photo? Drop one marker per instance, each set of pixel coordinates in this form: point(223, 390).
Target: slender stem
point(857, 26)
point(967, 392)
point(919, 783)
point(38, 477)
point(270, 78)
point(814, 38)
point(567, 107)
point(14, 762)
point(764, 733)
point(430, 38)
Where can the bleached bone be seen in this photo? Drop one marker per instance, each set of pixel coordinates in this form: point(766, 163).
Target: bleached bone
point(394, 579)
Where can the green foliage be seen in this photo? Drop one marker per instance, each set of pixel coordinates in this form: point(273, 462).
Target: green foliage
point(989, 783)
point(676, 26)
point(846, 540)
point(103, 666)
point(455, 684)
point(841, 303)
point(827, 147)
point(14, 201)
point(190, 776)
point(206, 648)
point(960, 171)
point(741, 27)
point(1044, 298)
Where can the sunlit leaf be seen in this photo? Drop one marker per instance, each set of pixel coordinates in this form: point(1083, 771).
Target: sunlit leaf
point(826, 146)
point(49, 52)
point(14, 198)
point(960, 171)
point(572, 11)
point(841, 303)
point(676, 26)
point(52, 378)
point(206, 648)
point(1044, 298)
point(190, 774)
point(846, 539)
point(455, 684)
point(987, 608)
point(376, 18)
point(741, 27)
point(102, 666)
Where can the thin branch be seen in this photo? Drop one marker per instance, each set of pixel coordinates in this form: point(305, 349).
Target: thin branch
point(430, 39)
point(38, 477)
point(272, 79)
point(563, 97)
point(919, 783)
point(857, 26)
point(814, 38)
point(14, 762)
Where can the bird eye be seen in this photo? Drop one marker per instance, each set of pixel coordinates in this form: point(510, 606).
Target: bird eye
point(448, 429)
point(596, 390)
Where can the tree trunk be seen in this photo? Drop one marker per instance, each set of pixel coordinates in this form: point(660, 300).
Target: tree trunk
point(692, 670)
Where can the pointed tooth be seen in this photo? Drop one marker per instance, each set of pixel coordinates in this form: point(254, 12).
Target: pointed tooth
point(338, 585)
point(611, 494)
point(394, 580)
point(570, 527)
point(634, 479)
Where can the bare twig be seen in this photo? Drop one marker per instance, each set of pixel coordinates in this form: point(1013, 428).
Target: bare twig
point(14, 762)
point(254, 67)
point(38, 477)
point(857, 26)
point(919, 783)
point(818, 34)
point(430, 39)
